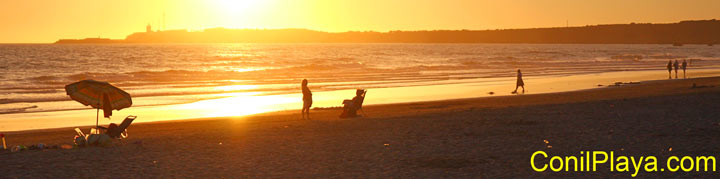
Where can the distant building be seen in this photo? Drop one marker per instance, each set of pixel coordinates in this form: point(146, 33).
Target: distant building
point(148, 28)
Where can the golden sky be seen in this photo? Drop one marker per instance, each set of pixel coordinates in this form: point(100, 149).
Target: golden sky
point(43, 21)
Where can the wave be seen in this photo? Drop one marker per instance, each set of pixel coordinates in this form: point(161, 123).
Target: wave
point(202, 71)
point(16, 110)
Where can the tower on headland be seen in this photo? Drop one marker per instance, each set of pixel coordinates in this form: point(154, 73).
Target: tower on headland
point(148, 28)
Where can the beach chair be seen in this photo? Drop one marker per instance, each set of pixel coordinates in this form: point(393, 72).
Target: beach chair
point(81, 137)
point(121, 131)
point(79, 132)
point(360, 103)
point(351, 107)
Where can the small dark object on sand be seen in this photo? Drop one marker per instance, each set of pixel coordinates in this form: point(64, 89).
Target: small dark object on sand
point(491, 93)
point(624, 83)
point(701, 86)
point(599, 85)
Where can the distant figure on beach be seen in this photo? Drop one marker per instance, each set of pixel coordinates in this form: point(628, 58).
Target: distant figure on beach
point(307, 99)
point(519, 83)
point(676, 65)
point(669, 67)
point(684, 67)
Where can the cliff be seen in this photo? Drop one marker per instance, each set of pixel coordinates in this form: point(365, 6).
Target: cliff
point(685, 32)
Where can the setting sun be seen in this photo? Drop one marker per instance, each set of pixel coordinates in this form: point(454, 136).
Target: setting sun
point(236, 5)
point(46, 20)
point(237, 13)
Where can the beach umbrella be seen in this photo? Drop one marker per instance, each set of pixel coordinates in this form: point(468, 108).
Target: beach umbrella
point(99, 95)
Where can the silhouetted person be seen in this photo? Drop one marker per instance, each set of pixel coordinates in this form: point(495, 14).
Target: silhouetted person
point(113, 130)
point(519, 83)
point(684, 67)
point(676, 65)
point(307, 99)
point(669, 67)
point(351, 106)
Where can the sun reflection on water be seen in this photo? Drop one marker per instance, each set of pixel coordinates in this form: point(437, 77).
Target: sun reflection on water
point(236, 87)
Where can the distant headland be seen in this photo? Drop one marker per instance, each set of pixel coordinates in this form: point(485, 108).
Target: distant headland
point(684, 32)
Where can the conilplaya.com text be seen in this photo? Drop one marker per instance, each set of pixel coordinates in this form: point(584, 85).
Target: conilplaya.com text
point(590, 161)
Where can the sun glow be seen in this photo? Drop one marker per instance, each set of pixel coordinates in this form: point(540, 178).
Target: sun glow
point(234, 6)
point(235, 13)
point(241, 104)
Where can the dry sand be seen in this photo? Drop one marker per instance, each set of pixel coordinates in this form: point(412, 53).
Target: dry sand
point(469, 138)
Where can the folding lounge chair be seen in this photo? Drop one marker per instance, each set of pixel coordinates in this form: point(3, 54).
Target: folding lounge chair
point(121, 131)
point(360, 103)
point(79, 132)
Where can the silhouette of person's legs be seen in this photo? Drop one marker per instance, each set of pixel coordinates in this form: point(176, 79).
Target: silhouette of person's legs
point(306, 109)
point(684, 75)
point(306, 112)
point(302, 113)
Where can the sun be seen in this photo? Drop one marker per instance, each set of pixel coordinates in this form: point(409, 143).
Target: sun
point(237, 7)
point(239, 13)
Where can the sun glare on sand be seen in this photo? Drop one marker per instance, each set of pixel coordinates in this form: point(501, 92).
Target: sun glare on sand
point(239, 104)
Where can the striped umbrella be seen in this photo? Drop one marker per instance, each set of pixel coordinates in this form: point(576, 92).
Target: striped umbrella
point(99, 95)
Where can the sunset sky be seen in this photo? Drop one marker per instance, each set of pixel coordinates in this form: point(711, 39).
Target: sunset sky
point(43, 21)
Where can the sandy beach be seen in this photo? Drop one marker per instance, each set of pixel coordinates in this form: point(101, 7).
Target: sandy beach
point(491, 137)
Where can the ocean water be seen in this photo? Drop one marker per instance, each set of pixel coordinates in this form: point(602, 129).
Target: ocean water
point(33, 76)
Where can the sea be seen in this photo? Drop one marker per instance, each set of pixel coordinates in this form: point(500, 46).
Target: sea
point(33, 76)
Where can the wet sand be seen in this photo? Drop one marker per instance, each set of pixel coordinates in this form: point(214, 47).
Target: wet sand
point(479, 137)
point(243, 104)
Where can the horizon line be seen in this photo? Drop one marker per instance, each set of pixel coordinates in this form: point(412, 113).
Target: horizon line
point(296, 28)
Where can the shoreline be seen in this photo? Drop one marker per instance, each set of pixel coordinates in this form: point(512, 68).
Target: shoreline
point(474, 137)
point(623, 94)
point(436, 91)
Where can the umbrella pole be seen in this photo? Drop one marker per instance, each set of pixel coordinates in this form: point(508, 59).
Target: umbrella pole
point(97, 118)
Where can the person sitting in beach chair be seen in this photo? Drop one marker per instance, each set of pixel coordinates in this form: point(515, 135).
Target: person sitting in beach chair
point(113, 131)
point(350, 107)
point(120, 131)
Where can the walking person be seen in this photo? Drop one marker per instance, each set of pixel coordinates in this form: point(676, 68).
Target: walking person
point(519, 82)
point(684, 67)
point(669, 67)
point(307, 99)
point(676, 65)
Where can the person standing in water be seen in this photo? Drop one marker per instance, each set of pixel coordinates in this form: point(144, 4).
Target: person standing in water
point(676, 65)
point(519, 83)
point(684, 67)
point(307, 99)
point(669, 67)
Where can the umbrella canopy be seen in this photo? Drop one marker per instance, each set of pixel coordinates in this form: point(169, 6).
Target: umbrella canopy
point(90, 92)
point(99, 95)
